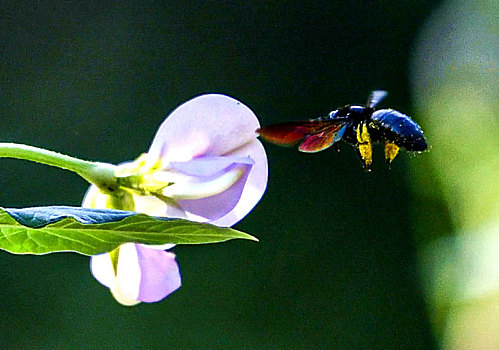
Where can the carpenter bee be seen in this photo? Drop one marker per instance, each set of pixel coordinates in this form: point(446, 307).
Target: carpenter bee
point(360, 126)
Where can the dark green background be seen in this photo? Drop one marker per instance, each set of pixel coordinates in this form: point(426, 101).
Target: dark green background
point(336, 266)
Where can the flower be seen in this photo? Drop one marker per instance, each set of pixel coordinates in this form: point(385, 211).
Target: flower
point(141, 273)
point(205, 164)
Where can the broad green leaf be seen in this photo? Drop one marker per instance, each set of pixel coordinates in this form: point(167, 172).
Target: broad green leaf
point(41, 230)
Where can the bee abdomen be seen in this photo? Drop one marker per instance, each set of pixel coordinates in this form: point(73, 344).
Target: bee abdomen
point(391, 125)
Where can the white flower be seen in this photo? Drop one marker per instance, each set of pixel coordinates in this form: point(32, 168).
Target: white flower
point(205, 164)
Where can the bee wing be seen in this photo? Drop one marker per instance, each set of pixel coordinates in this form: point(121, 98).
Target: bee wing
point(320, 141)
point(375, 98)
point(290, 133)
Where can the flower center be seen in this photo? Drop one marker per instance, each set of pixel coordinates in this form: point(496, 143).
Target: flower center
point(152, 177)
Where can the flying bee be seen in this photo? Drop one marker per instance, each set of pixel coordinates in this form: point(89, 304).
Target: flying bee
point(360, 126)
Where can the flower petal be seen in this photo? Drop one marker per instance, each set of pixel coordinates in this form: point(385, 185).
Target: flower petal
point(224, 209)
point(204, 186)
point(94, 198)
point(151, 205)
point(214, 207)
point(161, 246)
point(160, 274)
point(102, 269)
point(127, 284)
point(209, 166)
point(208, 125)
point(254, 187)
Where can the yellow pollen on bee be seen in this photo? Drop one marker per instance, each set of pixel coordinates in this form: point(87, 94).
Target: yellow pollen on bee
point(391, 151)
point(364, 145)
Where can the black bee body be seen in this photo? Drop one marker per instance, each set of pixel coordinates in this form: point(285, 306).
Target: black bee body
point(398, 128)
point(360, 126)
point(354, 116)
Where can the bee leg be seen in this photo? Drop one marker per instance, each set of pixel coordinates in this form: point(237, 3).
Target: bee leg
point(391, 151)
point(366, 165)
point(364, 146)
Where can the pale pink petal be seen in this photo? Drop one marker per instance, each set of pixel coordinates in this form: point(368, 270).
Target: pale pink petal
point(209, 166)
point(94, 198)
point(215, 207)
point(254, 188)
point(150, 205)
point(160, 275)
point(102, 269)
point(153, 206)
point(208, 125)
point(161, 246)
point(127, 284)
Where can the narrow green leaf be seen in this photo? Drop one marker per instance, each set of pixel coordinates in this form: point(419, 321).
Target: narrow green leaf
point(41, 230)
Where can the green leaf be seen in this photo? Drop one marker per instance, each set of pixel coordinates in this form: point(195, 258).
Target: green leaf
point(41, 230)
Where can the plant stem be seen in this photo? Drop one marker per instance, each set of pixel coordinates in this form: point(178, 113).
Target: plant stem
point(99, 174)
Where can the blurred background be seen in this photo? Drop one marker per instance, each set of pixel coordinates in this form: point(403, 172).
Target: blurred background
point(406, 258)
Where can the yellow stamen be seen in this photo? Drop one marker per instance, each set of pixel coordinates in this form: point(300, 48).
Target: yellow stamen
point(142, 165)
